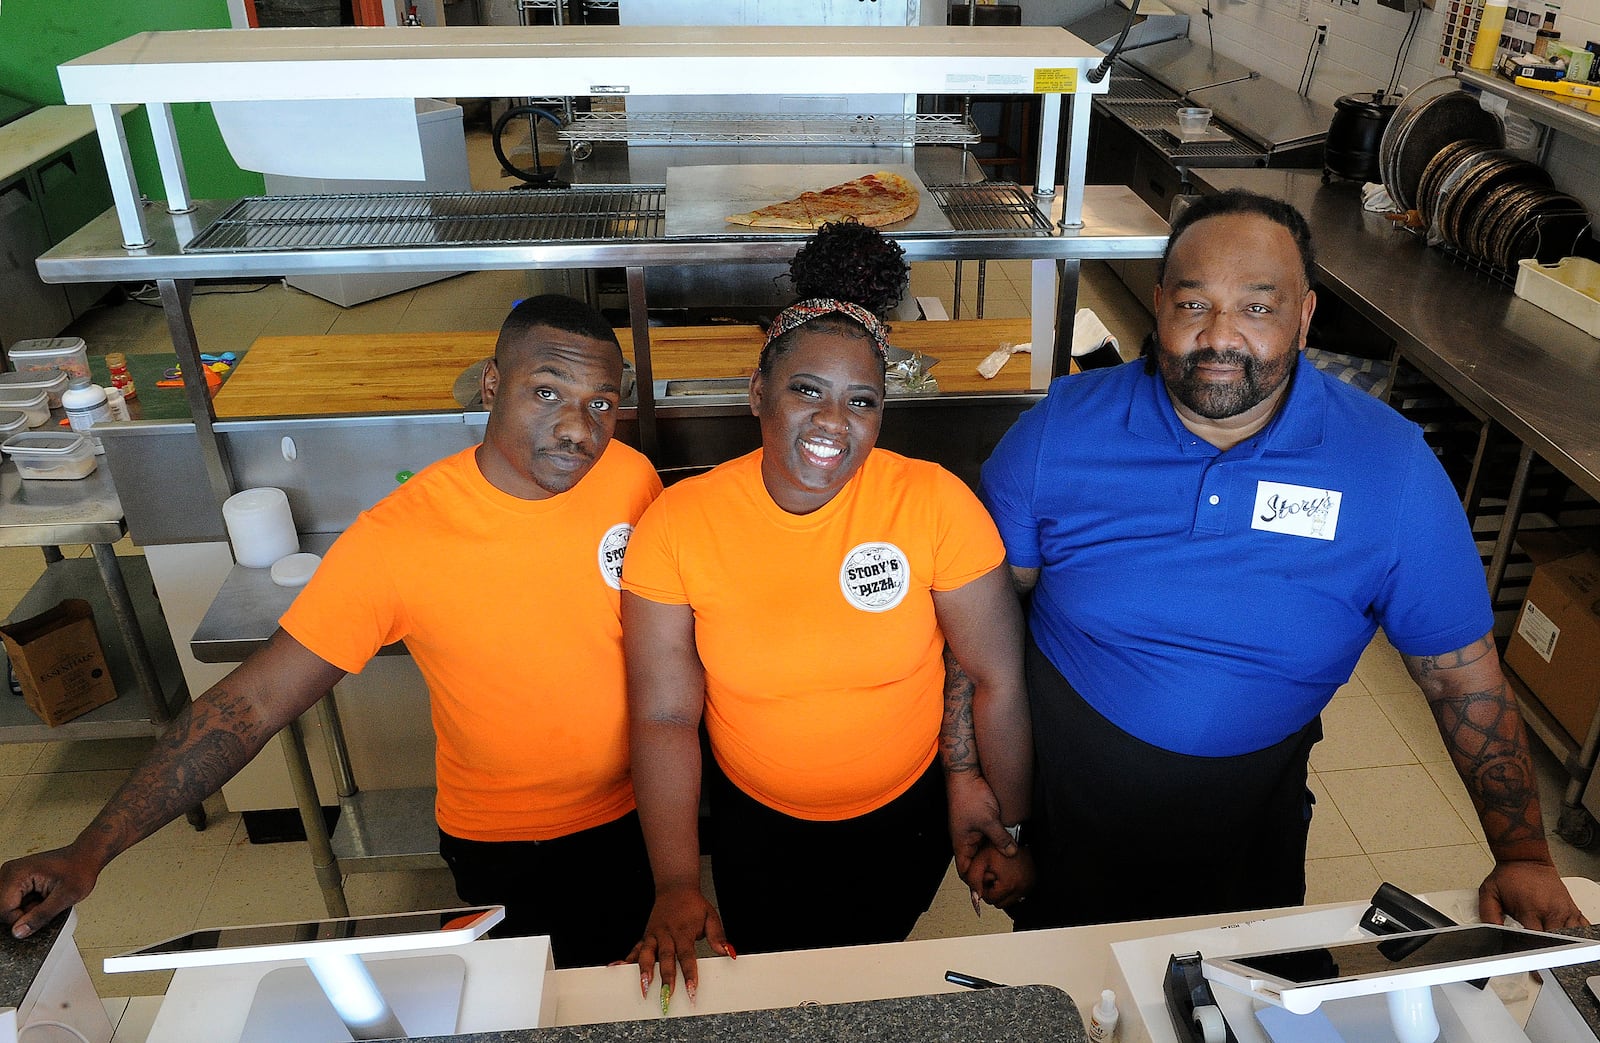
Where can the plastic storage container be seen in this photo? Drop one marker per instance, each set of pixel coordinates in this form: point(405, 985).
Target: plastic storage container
point(53, 382)
point(51, 454)
point(12, 421)
point(68, 354)
point(1568, 289)
point(35, 402)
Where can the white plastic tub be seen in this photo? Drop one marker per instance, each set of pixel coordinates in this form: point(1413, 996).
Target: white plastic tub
point(35, 402)
point(53, 455)
point(51, 381)
point(1568, 289)
point(68, 354)
point(12, 421)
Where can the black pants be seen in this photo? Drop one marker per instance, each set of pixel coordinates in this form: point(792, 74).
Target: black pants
point(1124, 830)
point(591, 891)
point(785, 883)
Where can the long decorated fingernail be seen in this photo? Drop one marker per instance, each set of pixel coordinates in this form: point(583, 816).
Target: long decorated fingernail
point(690, 987)
point(977, 907)
point(644, 984)
point(666, 997)
point(731, 954)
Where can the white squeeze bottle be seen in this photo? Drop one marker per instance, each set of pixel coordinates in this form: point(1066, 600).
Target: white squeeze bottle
point(1103, 1019)
point(86, 406)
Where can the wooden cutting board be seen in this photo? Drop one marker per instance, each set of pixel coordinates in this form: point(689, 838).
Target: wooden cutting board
point(344, 374)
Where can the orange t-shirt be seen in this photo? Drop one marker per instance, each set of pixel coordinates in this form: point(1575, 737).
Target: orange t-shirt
point(512, 611)
point(822, 654)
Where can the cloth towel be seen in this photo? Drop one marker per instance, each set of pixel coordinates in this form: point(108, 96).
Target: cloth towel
point(1089, 335)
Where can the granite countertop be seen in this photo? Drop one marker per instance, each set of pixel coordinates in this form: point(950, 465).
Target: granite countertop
point(1573, 980)
point(20, 960)
point(1024, 1014)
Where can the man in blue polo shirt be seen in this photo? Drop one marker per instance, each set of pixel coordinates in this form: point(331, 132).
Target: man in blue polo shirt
point(1210, 539)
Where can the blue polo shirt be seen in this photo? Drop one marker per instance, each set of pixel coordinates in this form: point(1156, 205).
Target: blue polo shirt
point(1208, 602)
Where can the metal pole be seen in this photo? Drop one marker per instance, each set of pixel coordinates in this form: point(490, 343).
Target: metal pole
point(323, 861)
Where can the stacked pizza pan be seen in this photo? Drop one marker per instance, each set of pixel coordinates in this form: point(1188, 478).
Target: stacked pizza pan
point(1443, 156)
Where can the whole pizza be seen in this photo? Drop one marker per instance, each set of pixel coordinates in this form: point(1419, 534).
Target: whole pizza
point(875, 200)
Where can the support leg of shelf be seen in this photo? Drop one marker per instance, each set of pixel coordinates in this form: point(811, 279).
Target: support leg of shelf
point(144, 670)
point(644, 373)
point(323, 861)
point(338, 751)
point(1508, 524)
point(175, 297)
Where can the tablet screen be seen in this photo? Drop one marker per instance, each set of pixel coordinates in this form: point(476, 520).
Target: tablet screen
point(1397, 953)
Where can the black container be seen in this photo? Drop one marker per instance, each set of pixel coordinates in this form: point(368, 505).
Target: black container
point(1351, 150)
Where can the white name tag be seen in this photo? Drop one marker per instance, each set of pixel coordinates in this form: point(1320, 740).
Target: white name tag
point(1296, 510)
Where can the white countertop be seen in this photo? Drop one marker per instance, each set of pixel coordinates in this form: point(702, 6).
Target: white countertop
point(1076, 959)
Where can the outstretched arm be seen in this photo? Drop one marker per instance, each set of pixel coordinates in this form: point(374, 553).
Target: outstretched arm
point(1478, 719)
point(666, 696)
point(209, 741)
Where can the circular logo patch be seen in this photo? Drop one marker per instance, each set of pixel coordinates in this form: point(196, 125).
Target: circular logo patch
point(613, 545)
point(875, 576)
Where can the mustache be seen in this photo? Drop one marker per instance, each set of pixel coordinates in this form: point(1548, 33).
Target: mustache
point(571, 449)
point(1211, 356)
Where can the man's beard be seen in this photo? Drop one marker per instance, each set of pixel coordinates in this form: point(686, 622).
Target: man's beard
point(1219, 401)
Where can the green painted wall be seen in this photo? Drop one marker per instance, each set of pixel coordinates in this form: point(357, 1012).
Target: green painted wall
point(38, 35)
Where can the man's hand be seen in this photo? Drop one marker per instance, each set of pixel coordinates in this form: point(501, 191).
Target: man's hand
point(680, 917)
point(33, 889)
point(974, 823)
point(1005, 881)
point(1532, 893)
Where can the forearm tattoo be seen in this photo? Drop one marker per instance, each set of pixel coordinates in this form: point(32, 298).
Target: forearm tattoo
point(204, 746)
point(958, 745)
point(1485, 737)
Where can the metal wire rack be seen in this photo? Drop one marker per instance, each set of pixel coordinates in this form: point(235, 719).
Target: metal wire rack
point(1130, 89)
point(580, 214)
point(670, 128)
point(597, 213)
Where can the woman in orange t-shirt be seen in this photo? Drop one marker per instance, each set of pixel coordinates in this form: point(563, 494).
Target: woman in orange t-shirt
point(801, 599)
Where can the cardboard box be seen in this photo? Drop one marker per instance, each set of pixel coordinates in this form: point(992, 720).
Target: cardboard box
point(57, 658)
point(1555, 648)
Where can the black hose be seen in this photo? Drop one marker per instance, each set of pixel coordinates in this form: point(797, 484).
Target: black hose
point(1098, 73)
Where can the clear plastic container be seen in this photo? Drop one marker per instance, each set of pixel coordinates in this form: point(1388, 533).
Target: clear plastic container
point(53, 382)
point(12, 421)
point(33, 401)
point(68, 354)
point(55, 455)
point(1193, 120)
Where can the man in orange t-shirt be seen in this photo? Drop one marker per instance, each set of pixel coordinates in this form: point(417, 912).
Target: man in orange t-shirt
point(500, 569)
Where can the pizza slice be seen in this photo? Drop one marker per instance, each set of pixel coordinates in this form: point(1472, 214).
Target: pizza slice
point(875, 200)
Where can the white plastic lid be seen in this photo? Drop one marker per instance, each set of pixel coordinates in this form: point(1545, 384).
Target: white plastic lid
point(294, 570)
point(12, 420)
point(47, 443)
point(47, 346)
point(49, 379)
point(14, 396)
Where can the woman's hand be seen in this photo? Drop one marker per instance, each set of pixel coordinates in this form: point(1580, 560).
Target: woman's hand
point(1005, 881)
point(680, 917)
point(974, 823)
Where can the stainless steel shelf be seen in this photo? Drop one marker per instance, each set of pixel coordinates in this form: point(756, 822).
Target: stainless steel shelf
point(384, 829)
point(129, 714)
point(718, 128)
point(1536, 106)
point(47, 513)
point(580, 214)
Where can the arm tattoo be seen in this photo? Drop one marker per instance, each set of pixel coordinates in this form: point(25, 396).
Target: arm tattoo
point(958, 745)
point(1484, 734)
point(204, 746)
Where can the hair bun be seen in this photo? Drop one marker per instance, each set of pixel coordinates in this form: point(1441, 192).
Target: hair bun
point(848, 261)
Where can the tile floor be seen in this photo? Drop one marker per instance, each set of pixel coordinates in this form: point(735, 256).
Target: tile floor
point(1389, 804)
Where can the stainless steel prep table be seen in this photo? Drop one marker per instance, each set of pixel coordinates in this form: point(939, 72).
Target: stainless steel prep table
point(1507, 361)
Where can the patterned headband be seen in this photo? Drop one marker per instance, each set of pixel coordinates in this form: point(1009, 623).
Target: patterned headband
point(797, 315)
